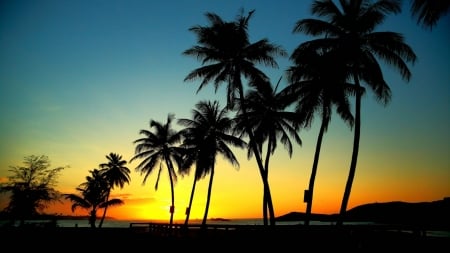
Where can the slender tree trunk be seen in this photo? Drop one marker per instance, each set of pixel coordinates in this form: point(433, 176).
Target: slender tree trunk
point(265, 208)
point(208, 199)
point(351, 174)
point(172, 207)
point(266, 175)
point(104, 210)
point(267, 194)
point(258, 158)
point(310, 194)
point(188, 210)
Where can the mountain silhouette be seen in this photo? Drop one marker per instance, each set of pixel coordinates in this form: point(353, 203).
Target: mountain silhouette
point(436, 213)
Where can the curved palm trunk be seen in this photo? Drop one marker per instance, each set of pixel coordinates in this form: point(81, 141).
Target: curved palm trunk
point(351, 173)
point(104, 210)
point(266, 175)
point(208, 199)
point(172, 207)
point(269, 202)
point(258, 158)
point(267, 198)
point(309, 196)
point(188, 210)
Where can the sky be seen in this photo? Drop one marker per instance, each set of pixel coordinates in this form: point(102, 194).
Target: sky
point(80, 79)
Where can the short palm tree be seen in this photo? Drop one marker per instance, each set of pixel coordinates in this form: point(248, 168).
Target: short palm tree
point(116, 174)
point(93, 195)
point(225, 50)
point(348, 29)
point(270, 121)
point(317, 82)
point(207, 135)
point(159, 148)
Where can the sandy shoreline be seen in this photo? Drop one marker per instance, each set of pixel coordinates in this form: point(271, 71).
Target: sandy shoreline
point(249, 239)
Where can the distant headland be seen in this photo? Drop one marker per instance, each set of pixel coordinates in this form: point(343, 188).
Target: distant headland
point(395, 212)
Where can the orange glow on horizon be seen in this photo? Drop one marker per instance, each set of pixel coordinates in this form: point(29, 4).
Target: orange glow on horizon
point(237, 194)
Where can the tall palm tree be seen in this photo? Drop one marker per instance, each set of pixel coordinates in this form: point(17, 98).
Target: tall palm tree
point(428, 12)
point(226, 53)
point(207, 135)
point(160, 147)
point(116, 174)
point(349, 29)
point(270, 120)
point(93, 195)
point(318, 83)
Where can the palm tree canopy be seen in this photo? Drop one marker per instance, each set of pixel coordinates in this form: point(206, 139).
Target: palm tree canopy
point(207, 135)
point(95, 189)
point(93, 193)
point(157, 147)
point(225, 46)
point(349, 31)
point(267, 114)
point(78, 201)
point(428, 12)
point(115, 170)
point(318, 81)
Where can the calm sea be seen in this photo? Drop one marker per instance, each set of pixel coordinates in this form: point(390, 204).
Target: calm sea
point(111, 223)
point(126, 223)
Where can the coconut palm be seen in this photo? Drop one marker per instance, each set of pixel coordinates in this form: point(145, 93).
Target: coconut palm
point(116, 174)
point(428, 12)
point(93, 195)
point(207, 135)
point(270, 120)
point(318, 83)
point(348, 29)
point(227, 54)
point(160, 147)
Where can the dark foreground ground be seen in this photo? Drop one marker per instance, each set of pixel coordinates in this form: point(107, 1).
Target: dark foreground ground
point(286, 239)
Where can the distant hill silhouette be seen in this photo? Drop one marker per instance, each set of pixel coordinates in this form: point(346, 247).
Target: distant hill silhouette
point(396, 212)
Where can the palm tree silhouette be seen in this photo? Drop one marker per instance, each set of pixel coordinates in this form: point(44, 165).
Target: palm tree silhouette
point(270, 120)
point(226, 46)
point(158, 148)
point(349, 29)
point(318, 83)
point(116, 174)
point(206, 136)
point(93, 195)
point(427, 13)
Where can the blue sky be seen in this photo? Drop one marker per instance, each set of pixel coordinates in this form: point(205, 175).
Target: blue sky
point(79, 79)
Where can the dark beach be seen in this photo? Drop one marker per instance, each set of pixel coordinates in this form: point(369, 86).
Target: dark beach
point(279, 238)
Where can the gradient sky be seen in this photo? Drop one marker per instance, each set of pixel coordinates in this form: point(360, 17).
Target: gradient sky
point(79, 79)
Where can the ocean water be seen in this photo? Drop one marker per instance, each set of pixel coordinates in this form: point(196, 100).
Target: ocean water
point(111, 223)
point(126, 223)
